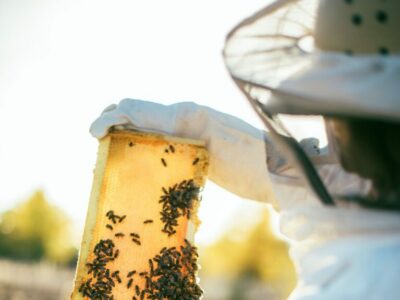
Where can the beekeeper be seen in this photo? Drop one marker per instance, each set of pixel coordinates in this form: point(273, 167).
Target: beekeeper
point(339, 205)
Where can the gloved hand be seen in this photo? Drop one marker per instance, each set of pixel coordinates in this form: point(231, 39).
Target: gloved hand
point(236, 149)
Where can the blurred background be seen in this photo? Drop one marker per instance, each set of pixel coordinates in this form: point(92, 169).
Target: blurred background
point(61, 63)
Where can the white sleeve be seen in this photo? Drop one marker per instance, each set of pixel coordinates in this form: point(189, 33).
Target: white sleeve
point(237, 151)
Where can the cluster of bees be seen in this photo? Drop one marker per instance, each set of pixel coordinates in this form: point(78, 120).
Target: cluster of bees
point(177, 201)
point(171, 274)
point(100, 286)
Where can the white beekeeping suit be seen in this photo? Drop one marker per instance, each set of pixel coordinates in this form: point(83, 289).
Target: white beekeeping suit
point(341, 251)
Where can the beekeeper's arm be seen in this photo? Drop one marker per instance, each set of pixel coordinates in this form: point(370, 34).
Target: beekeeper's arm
point(237, 150)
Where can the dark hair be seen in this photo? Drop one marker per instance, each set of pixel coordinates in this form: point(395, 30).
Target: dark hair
point(372, 150)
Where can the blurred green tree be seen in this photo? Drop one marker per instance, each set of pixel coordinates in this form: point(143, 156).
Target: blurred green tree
point(249, 253)
point(36, 230)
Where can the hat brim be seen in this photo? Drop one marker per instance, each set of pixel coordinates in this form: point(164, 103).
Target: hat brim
point(266, 56)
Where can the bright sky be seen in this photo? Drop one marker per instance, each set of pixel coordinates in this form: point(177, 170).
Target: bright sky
point(63, 61)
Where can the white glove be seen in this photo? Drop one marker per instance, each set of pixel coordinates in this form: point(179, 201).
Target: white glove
point(237, 151)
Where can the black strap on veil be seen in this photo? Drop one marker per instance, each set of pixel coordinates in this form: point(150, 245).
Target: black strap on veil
point(293, 151)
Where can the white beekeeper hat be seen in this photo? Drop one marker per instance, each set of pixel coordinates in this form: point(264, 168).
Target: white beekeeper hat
point(327, 57)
